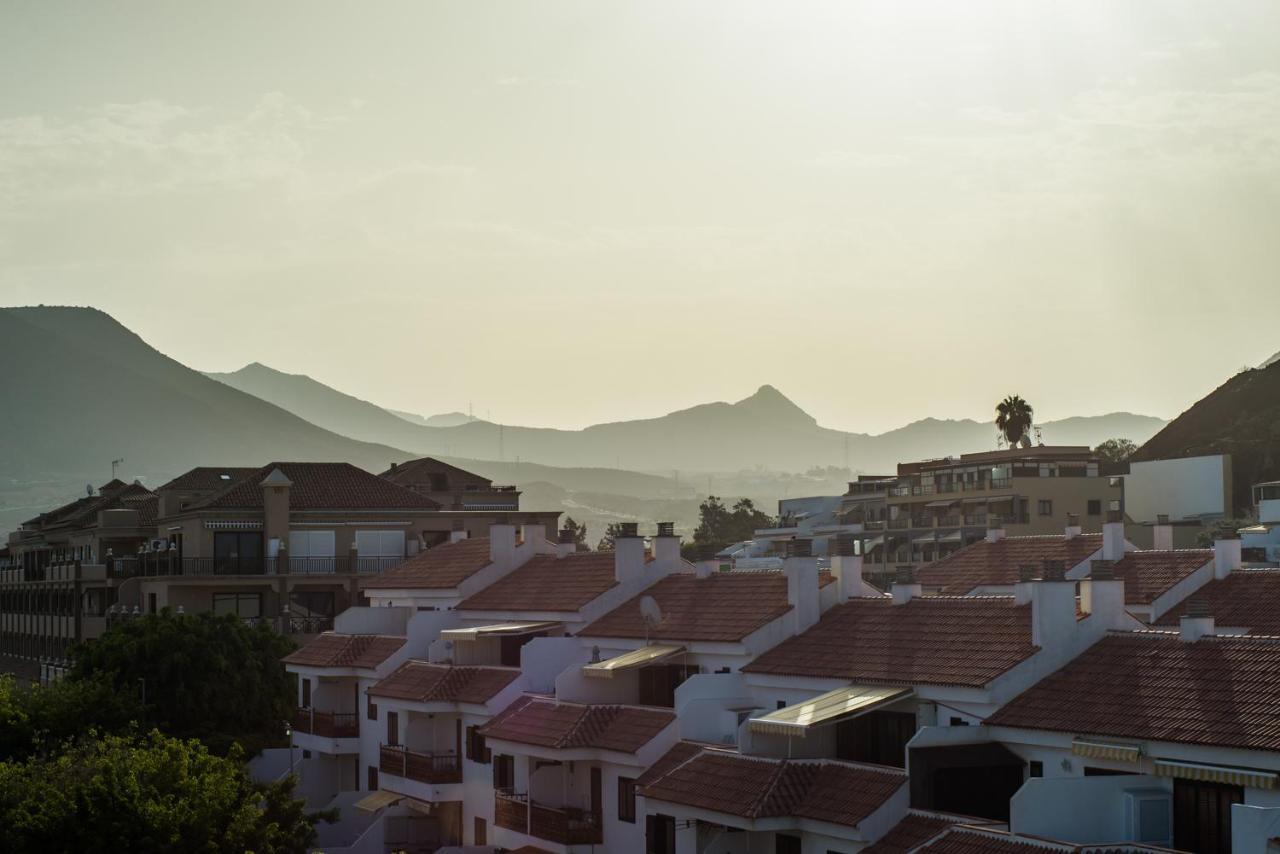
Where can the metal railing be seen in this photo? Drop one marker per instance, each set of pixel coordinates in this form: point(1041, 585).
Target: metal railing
point(166, 564)
point(424, 767)
point(327, 724)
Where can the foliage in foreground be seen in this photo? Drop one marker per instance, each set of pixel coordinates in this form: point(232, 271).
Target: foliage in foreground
point(36, 718)
point(143, 795)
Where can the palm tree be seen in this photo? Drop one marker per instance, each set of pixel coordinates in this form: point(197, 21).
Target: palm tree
point(1013, 419)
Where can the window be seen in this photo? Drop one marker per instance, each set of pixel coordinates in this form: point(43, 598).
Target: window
point(1045, 507)
point(372, 778)
point(380, 543)
point(782, 704)
point(1035, 768)
point(306, 693)
point(372, 712)
point(311, 551)
point(660, 834)
point(477, 749)
point(504, 772)
point(958, 721)
point(393, 729)
point(481, 833)
point(627, 800)
point(877, 737)
point(1094, 507)
point(658, 683)
point(784, 844)
point(233, 548)
point(243, 605)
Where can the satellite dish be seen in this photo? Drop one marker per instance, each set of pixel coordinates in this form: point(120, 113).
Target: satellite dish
point(650, 612)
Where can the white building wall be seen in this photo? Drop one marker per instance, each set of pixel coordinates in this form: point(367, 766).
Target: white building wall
point(1183, 489)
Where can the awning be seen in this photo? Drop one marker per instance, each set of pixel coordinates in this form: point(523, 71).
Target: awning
point(420, 807)
point(375, 801)
point(1106, 750)
point(945, 502)
point(924, 538)
point(1216, 774)
point(645, 655)
point(473, 632)
point(827, 709)
point(951, 537)
point(868, 545)
point(982, 500)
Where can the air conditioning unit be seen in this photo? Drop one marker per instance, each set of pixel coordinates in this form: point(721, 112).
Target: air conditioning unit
point(1148, 816)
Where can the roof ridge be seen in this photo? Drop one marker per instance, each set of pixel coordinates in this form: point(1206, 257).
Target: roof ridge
point(774, 777)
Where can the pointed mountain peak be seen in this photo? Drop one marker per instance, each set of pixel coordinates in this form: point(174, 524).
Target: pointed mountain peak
point(770, 403)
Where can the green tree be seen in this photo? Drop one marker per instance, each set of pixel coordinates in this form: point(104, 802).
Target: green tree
point(611, 533)
point(579, 533)
point(35, 716)
point(1013, 419)
point(1116, 450)
point(204, 676)
point(147, 795)
point(719, 525)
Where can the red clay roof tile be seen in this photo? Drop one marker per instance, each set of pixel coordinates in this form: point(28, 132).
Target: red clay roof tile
point(424, 682)
point(1147, 574)
point(546, 722)
point(1247, 598)
point(548, 583)
point(331, 649)
point(915, 829)
point(985, 564)
point(320, 486)
point(443, 567)
point(966, 841)
point(204, 478)
point(1221, 691)
point(933, 640)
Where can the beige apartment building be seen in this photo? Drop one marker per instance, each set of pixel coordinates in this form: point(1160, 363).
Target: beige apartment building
point(932, 508)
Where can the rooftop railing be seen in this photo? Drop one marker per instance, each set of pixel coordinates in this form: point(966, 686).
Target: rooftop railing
point(165, 564)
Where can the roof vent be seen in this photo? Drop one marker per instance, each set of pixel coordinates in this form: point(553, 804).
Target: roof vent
point(666, 529)
point(799, 548)
point(1054, 570)
point(627, 530)
point(1026, 572)
point(847, 545)
point(1102, 570)
point(1196, 608)
point(567, 536)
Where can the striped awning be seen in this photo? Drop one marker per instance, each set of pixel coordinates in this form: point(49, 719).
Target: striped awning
point(827, 708)
point(375, 801)
point(1106, 750)
point(641, 657)
point(1250, 777)
point(495, 630)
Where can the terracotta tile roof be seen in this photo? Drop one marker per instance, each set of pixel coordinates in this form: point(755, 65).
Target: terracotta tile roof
point(546, 722)
point(443, 567)
point(996, 564)
point(84, 511)
point(331, 649)
point(1147, 574)
point(424, 682)
point(915, 829)
point(548, 583)
point(1246, 598)
point(727, 606)
point(965, 841)
point(932, 640)
point(207, 478)
point(683, 751)
point(754, 787)
point(147, 506)
point(320, 486)
point(1220, 691)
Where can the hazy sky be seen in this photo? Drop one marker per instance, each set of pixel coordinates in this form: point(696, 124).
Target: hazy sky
point(573, 212)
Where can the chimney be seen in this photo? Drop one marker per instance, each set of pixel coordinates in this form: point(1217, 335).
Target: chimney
point(1053, 606)
point(666, 547)
point(459, 531)
point(628, 554)
point(1226, 556)
point(1162, 534)
point(1196, 621)
point(801, 569)
point(905, 587)
point(846, 567)
point(533, 535)
point(995, 528)
point(1073, 526)
point(1113, 535)
point(707, 563)
point(502, 541)
point(275, 506)
point(566, 543)
point(1027, 575)
point(1102, 594)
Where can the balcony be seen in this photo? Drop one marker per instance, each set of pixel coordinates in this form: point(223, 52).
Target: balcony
point(326, 724)
point(899, 524)
point(168, 564)
point(975, 518)
point(947, 521)
point(566, 826)
point(430, 768)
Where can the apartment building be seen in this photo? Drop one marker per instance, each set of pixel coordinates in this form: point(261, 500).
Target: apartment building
point(933, 508)
point(451, 487)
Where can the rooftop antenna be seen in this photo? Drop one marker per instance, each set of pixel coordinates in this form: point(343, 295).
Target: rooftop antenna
point(114, 464)
point(88, 489)
point(651, 613)
point(1039, 441)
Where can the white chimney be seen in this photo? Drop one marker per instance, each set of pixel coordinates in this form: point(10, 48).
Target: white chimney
point(566, 543)
point(1162, 534)
point(459, 531)
point(1102, 595)
point(1196, 621)
point(846, 567)
point(801, 569)
point(1113, 536)
point(1053, 606)
point(628, 555)
point(1226, 557)
point(905, 587)
point(995, 529)
point(666, 547)
point(502, 542)
point(1073, 528)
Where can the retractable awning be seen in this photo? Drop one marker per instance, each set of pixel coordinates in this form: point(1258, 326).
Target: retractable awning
point(951, 537)
point(375, 801)
point(924, 538)
point(473, 632)
point(1106, 750)
point(827, 708)
point(1216, 774)
point(868, 545)
point(945, 502)
point(641, 657)
point(975, 500)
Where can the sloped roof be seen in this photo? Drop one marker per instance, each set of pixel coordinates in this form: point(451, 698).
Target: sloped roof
point(931, 640)
point(147, 505)
point(967, 841)
point(409, 470)
point(725, 607)
point(548, 583)
point(206, 478)
point(1147, 574)
point(985, 564)
point(915, 829)
point(424, 682)
point(546, 722)
point(754, 787)
point(331, 649)
point(1248, 598)
point(442, 567)
point(320, 486)
point(1221, 691)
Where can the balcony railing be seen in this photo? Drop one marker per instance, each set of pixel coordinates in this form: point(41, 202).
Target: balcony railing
point(423, 767)
point(564, 825)
point(162, 564)
point(326, 724)
point(948, 521)
point(898, 524)
point(975, 518)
